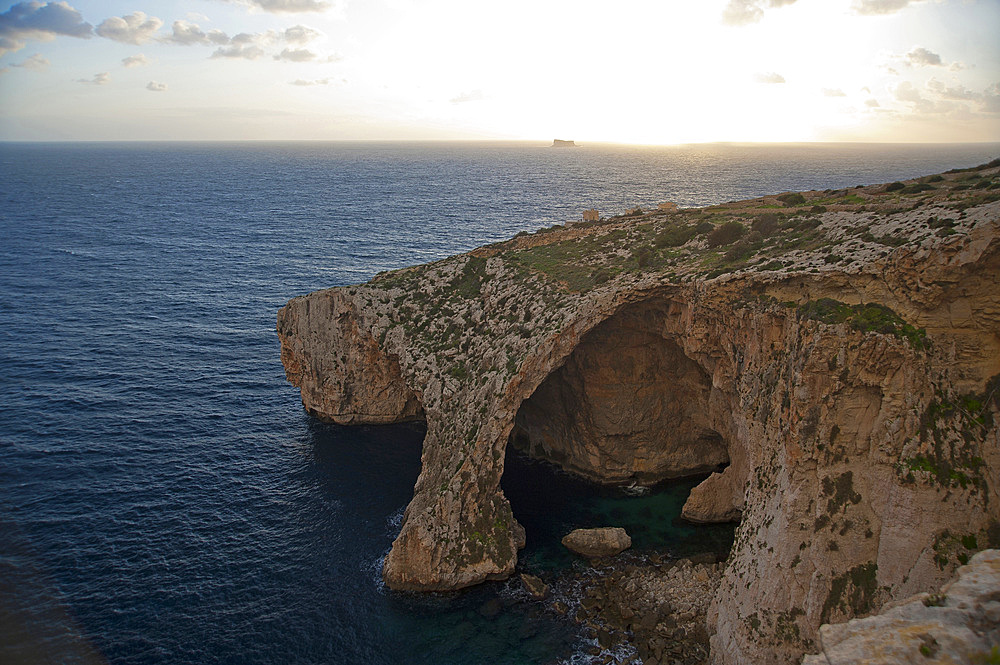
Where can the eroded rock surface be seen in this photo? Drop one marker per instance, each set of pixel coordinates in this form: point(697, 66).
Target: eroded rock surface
point(960, 624)
point(843, 358)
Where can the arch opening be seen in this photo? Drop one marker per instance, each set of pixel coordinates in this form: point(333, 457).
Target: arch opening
point(627, 406)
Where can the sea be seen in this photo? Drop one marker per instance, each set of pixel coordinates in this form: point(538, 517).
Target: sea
point(163, 496)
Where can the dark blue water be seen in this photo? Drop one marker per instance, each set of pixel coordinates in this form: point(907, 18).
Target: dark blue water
point(163, 498)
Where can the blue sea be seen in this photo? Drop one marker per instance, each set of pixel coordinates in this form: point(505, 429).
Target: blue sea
point(163, 496)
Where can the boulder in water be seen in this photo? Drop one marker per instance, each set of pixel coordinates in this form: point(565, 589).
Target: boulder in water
point(596, 543)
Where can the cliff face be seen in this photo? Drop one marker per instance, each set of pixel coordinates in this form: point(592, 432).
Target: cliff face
point(839, 351)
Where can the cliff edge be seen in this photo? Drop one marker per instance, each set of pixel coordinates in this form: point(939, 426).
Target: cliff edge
point(833, 357)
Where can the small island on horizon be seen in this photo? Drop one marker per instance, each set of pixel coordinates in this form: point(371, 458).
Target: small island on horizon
point(559, 143)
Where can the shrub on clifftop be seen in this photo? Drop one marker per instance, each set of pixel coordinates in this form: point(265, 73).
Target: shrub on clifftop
point(725, 234)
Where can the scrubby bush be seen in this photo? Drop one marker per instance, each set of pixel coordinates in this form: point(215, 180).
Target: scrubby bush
point(725, 234)
point(894, 186)
point(674, 236)
point(765, 225)
point(792, 199)
point(642, 255)
point(743, 249)
point(704, 227)
point(817, 209)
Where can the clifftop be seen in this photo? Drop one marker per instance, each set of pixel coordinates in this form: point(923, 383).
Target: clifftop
point(836, 352)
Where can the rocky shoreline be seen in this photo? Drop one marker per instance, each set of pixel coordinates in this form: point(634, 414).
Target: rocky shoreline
point(636, 608)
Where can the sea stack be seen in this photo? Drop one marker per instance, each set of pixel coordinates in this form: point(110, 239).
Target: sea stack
point(559, 143)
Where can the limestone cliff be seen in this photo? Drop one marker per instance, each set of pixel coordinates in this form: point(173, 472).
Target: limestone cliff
point(833, 356)
point(960, 624)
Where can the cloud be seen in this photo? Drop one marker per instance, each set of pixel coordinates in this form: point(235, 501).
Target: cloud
point(833, 92)
point(300, 34)
point(156, 87)
point(248, 46)
point(99, 79)
point(770, 77)
point(991, 99)
point(137, 60)
point(920, 56)
point(987, 101)
point(40, 21)
point(745, 12)
point(135, 28)
point(872, 103)
point(296, 55)
point(880, 7)
point(287, 6)
point(470, 96)
point(304, 82)
point(186, 33)
point(35, 63)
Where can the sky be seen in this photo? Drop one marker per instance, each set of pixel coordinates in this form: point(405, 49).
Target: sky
point(622, 71)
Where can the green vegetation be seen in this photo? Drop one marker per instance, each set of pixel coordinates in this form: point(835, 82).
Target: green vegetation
point(867, 318)
point(853, 592)
point(793, 199)
point(726, 233)
point(470, 281)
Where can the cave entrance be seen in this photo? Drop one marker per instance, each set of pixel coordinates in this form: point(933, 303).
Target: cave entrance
point(633, 424)
point(627, 406)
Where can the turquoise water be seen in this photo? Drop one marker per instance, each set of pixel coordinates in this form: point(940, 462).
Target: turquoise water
point(550, 503)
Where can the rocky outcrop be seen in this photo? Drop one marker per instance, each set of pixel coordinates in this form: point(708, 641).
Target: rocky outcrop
point(596, 543)
point(841, 356)
point(960, 624)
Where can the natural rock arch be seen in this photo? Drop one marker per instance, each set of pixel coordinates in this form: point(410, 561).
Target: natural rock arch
point(627, 404)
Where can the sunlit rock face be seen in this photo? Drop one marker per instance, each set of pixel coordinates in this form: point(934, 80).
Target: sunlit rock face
point(849, 376)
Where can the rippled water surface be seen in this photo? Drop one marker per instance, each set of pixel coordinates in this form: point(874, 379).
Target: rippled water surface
point(164, 499)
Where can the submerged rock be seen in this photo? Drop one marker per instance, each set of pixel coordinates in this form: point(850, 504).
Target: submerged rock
point(538, 589)
point(597, 543)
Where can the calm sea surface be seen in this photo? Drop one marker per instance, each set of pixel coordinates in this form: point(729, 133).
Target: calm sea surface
point(163, 497)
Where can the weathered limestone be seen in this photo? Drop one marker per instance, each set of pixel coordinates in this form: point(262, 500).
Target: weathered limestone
point(960, 624)
point(862, 456)
point(595, 543)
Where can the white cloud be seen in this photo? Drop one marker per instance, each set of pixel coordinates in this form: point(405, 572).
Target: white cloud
point(304, 82)
point(35, 63)
point(872, 103)
point(136, 28)
point(99, 79)
point(769, 77)
point(186, 33)
point(137, 60)
point(745, 12)
point(300, 34)
point(880, 7)
point(920, 57)
point(470, 96)
point(41, 21)
point(287, 6)
point(296, 55)
point(833, 92)
point(153, 86)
